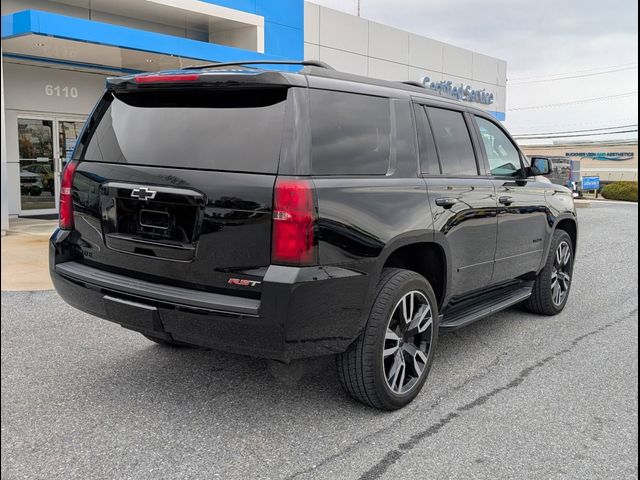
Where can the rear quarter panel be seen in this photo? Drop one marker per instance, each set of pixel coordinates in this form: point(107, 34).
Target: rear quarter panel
point(362, 219)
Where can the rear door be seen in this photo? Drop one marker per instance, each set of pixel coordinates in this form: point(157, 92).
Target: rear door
point(176, 186)
point(523, 215)
point(463, 202)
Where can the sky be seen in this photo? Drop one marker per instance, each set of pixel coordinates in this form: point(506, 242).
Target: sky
point(542, 39)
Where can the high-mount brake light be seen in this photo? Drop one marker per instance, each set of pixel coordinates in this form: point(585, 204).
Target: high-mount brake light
point(66, 221)
point(293, 222)
point(168, 78)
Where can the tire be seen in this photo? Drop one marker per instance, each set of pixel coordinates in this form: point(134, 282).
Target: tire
point(366, 370)
point(544, 299)
point(168, 343)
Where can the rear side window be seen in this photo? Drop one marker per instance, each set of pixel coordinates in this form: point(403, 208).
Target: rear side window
point(350, 133)
point(453, 142)
point(237, 130)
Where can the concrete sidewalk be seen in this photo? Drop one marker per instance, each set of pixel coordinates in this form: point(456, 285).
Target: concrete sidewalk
point(25, 255)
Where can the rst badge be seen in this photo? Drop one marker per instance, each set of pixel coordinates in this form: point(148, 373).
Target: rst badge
point(243, 282)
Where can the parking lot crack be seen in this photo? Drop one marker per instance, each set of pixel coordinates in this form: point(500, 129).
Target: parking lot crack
point(485, 371)
point(392, 456)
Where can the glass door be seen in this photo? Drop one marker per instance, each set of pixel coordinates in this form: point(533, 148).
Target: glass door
point(45, 146)
point(37, 166)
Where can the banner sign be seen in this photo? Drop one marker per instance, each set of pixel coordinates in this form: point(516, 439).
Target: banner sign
point(603, 156)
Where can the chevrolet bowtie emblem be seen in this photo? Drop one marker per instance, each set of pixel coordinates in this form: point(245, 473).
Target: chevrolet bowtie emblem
point(143, 193)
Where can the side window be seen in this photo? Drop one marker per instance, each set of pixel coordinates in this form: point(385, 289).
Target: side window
point(427, 148)
point(504, 158)
point(453, 142)
point(350, 133)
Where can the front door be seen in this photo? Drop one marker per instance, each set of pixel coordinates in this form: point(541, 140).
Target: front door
point(44, 146)
point(522, 227)
point(522, 211)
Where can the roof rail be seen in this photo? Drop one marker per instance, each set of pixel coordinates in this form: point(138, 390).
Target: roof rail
point(413, 83)
point(305, 63)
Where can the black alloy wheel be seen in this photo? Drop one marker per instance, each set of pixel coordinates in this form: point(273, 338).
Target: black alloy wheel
point(389, 363)
point(408, 339)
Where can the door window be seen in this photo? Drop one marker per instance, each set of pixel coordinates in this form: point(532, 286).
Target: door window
point(504, 158)
point(453, 142)
point(37, 173)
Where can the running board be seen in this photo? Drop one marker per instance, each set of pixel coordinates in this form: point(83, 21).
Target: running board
point(463, 315)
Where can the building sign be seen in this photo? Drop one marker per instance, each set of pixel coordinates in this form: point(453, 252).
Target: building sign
point(603, 156)
point(52, 90)
point(460, 91)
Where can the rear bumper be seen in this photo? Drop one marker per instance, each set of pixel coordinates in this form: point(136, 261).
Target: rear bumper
point(303, 312)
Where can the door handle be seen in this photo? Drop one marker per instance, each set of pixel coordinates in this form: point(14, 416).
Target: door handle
point(446, 202)
point(506, 200)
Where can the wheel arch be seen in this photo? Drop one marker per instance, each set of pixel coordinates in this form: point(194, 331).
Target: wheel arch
point(422, 255)
point(569, 225)
point(566, 222)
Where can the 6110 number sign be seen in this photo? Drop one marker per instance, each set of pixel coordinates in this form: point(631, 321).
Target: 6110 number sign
point(60, 91)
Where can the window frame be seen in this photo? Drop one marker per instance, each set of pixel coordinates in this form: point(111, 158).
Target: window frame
point(414, 107)
point(523, 170)
point(473, 137)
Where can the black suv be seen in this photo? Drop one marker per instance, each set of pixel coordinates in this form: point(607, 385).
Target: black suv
point(286, 214)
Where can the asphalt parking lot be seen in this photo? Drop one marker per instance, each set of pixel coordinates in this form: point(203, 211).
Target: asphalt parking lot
point(513, 396)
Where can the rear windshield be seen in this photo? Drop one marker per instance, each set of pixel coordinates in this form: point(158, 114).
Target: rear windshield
point(238, 130)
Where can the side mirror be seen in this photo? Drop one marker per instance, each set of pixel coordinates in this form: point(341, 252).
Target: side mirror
point(541, 166)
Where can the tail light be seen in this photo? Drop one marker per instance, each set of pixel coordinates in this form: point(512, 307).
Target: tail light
point(168, 78)
point(293, 222)
point(66, 199)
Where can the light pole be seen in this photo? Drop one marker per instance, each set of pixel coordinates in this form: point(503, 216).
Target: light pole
point(358, 7)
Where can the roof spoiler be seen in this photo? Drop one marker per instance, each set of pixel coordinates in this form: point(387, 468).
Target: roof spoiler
point(304, 63)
